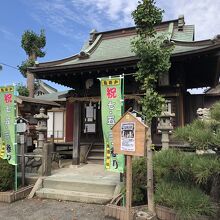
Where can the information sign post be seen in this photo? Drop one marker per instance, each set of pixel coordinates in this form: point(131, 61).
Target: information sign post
point(129, 139)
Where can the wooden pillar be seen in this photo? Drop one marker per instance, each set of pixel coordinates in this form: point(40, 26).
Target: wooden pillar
point(129, 186)
point(76, 133)
point(22, 159)
point(181, 109)
point(46, 159)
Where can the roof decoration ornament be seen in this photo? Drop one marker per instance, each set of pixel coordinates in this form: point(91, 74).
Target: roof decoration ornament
point(92, 36)
point(216, 39)
point(83, 55)
point(181, 22)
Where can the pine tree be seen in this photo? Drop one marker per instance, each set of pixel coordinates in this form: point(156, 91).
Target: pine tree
point(32, 45)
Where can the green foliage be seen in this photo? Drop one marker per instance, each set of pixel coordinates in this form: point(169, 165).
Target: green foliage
point(154, 54)
point(168, 165)
point(146, 16)
point(24, 65)
point(184, 181)
point(139, 179)
point(215, 111)
point(202, 135)
point(188, 202)
point(191, 169)
point(22, 90)
point(33, 43)
point(6, 175)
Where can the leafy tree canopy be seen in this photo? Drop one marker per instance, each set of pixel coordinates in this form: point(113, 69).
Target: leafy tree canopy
point(33, 43)
point(24, 65)
point(22, 90)
point(154, 52)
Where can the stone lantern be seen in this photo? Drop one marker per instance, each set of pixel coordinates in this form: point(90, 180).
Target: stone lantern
point(165, 127)
point(41, 126)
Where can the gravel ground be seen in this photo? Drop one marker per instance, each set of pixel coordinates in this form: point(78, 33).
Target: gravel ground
point(38, 209)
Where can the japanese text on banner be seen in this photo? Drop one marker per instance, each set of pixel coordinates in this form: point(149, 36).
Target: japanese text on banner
point(7, 125)
point(111, 96)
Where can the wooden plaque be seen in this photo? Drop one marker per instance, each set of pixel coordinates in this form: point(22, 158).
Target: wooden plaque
point(129, 136)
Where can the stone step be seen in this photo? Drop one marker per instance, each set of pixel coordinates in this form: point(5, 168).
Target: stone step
point(90, 185)
point(95, 157)
point(98, 150)
point(73, 196)
point(96, 154)
point(101, 162)
point(99, 144)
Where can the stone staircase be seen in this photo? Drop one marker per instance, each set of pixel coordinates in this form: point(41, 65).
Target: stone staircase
point(80, 186)
point(96, 154)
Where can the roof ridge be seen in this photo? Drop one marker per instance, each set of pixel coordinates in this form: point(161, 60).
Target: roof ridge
point(134, 27)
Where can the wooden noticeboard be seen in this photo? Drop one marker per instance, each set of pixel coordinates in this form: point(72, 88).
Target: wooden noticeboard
point(129, 136)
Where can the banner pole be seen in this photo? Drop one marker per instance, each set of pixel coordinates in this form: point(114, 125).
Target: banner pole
point(123, 96)
point(15, 140)
point(129, 187)
point(16, 177)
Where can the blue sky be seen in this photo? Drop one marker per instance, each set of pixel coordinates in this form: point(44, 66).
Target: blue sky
point(68, 22)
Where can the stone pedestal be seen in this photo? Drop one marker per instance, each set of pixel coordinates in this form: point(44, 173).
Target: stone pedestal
point(165, 127)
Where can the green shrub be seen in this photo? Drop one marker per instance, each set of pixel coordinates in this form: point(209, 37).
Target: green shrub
point(199, 134)
point(215, 111)
point(168, 165)
point(202, 134)
point(187, 202)
point(192, 169)
point(183, 181)
point(6, 175)
point(139, 177)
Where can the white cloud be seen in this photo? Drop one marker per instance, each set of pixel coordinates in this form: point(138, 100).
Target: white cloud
point(7, 34)
point(67, 17)
point(114, 10)
point(204, 14)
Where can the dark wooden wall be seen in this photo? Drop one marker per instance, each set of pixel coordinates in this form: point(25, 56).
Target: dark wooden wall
point(69, 121)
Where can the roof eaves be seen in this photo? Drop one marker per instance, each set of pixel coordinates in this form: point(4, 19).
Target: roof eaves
point(22, 99)
point(87, 64)
point(196, 51)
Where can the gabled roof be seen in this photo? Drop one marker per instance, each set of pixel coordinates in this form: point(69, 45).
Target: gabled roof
point(21, 99)
point(116, 44)
point(111, 51)
point(53, 96)
point(132, 116)
point(45, 87)
point(213, 91)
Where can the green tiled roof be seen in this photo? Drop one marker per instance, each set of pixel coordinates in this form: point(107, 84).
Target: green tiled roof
point(186, 35)
point(108, 49)
point(52, 96)
point(116, 44)
point(181, 49)
point(120, 47)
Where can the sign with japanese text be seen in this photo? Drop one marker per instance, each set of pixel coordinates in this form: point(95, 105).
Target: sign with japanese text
point(7, 124)
point(111, 101)
point(128, 136)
